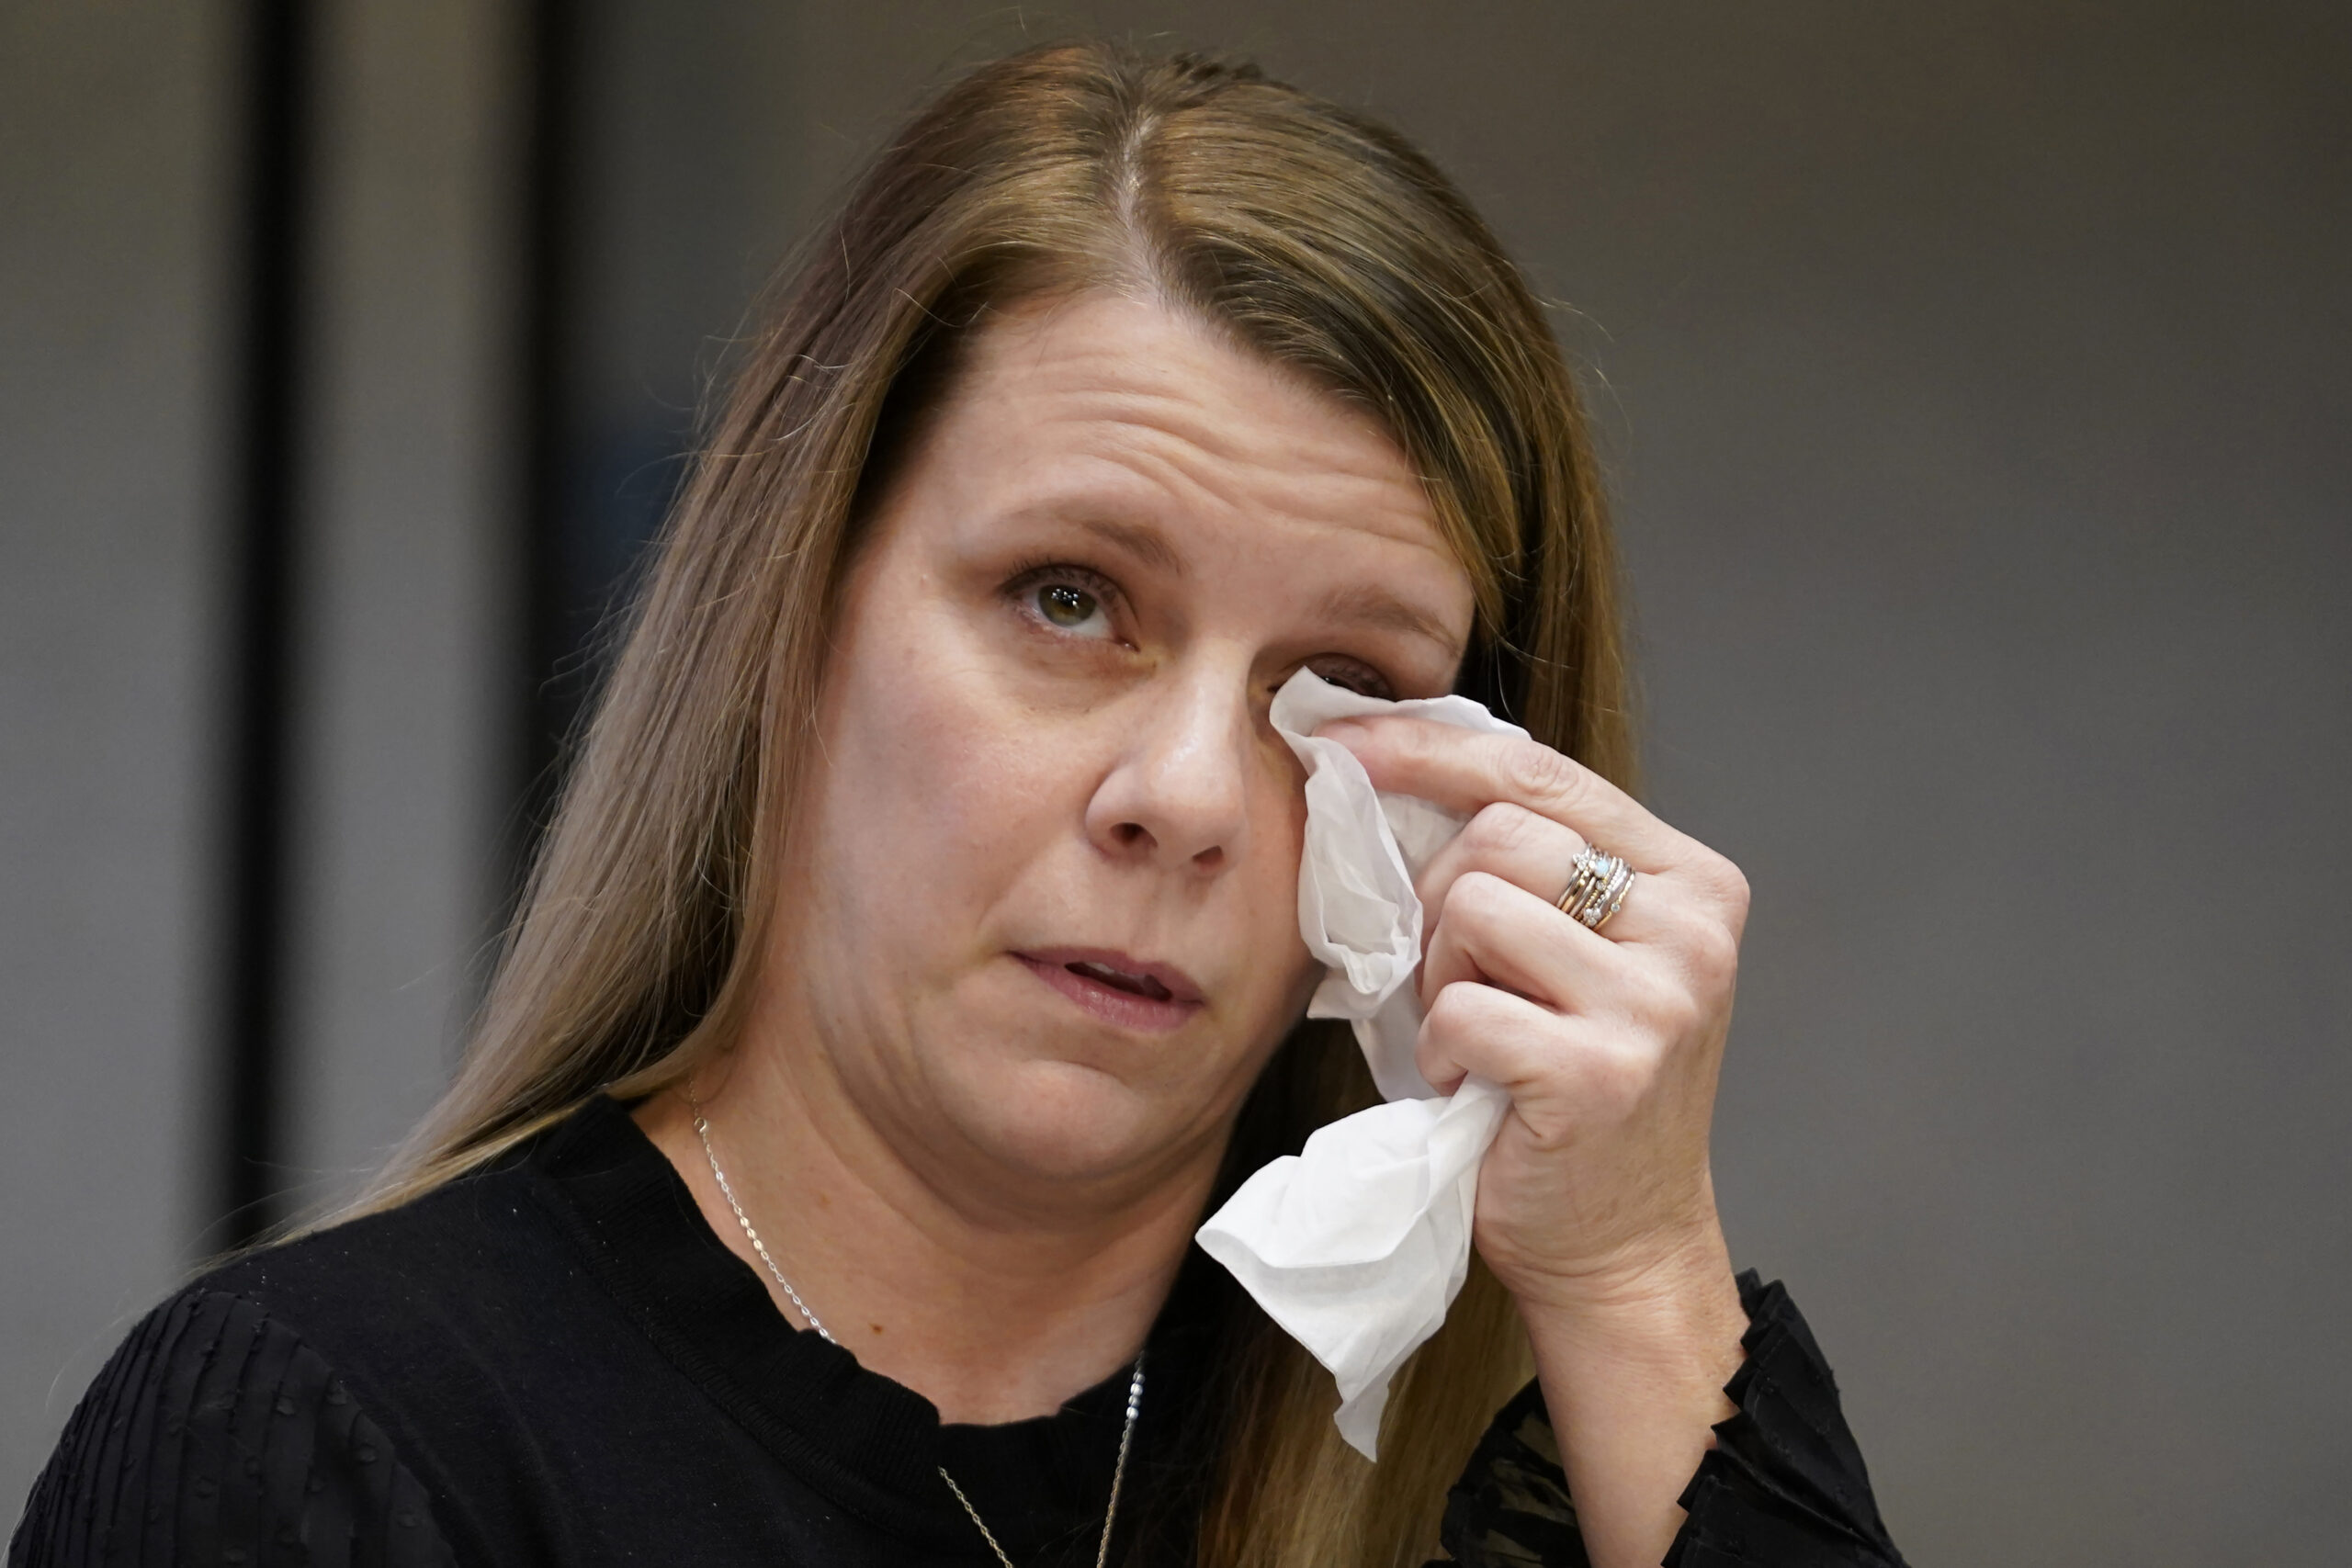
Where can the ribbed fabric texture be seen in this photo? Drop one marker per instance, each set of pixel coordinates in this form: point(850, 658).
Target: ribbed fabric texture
point(215, 1436)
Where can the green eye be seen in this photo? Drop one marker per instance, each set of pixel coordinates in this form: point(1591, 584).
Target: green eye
point(1065, 605)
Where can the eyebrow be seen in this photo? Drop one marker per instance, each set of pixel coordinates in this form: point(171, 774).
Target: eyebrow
point(1370, 605)
point(1147, 543)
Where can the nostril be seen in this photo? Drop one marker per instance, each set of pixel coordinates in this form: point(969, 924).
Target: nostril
point(1131, 833)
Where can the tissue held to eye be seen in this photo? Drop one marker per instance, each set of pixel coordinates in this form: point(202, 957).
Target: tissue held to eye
point(1357, 1245)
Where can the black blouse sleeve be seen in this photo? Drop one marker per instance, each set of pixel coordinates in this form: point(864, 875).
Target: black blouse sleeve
point(215, 1435)
point(1783, 1487)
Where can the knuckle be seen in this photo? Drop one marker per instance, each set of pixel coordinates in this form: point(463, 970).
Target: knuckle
point(1539, 772)
point(1477, 898)
point(1457, 1011)
point(1412, 741)
point(1720, 879)
point(1734, 883)
point(1669, 1006)
point(1429, 1052)
point(1444, 1012)
point(1499, 828)
point(1683, 1013)
point(1715, 951)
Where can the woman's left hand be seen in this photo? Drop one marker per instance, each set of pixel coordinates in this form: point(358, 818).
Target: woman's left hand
point(1596, 1191)
point(1596, 1208)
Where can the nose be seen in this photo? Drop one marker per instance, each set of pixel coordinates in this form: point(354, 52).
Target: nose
point(1178, 792)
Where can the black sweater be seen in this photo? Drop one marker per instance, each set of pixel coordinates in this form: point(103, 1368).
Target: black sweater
point(556, 1360)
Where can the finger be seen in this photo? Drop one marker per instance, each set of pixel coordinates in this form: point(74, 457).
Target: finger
point(1493, 932)
point(1470, 1027)
point(1544, 1060)
point(1464, 769)
point(1504, 839)
point(1540, 856)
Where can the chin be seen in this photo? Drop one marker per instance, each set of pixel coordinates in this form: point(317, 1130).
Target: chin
point(1063, 1121)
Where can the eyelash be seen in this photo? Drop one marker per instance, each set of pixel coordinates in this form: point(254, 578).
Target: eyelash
point(1366, 680)
point(1030, 576)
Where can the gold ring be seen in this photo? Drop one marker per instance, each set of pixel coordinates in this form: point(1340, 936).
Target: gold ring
point(1597, 888)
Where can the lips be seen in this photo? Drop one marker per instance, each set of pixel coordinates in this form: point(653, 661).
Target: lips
point(1142, 985)
point(1117, 988)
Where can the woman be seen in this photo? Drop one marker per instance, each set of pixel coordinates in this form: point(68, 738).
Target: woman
point(914, 961)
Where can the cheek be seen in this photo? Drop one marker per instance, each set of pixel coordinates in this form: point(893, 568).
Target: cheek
point(936, 788)
point(1270, 890)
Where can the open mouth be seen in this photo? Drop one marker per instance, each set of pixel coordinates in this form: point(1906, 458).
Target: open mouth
point(1120, 981)
point(1118, 989)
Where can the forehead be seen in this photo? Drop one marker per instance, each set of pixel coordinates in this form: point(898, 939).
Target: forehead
point(1099, 400)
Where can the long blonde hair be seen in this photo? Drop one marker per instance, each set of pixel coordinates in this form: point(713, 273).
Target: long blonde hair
point(1315, 237)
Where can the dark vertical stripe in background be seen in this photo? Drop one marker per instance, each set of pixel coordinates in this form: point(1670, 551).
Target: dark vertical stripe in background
point(263, 533)
point(551, 60)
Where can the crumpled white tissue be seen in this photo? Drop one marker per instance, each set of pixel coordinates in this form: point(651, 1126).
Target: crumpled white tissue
point(1357, 1245)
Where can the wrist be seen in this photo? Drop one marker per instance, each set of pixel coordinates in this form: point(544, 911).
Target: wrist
point(1673, 1293)
point(1634, 1359)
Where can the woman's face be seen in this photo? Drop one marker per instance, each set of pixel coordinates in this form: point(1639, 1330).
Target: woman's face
point(1042, 912)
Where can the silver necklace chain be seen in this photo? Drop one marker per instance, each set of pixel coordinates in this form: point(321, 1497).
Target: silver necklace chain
point(1134, 1384)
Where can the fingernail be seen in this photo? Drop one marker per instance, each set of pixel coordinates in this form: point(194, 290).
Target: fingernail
point(1346, 731)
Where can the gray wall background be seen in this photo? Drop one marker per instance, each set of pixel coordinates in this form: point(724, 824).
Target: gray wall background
point(110, 465)
point(1975, 383)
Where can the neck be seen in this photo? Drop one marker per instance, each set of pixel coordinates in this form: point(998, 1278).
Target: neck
point(996, 1299)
